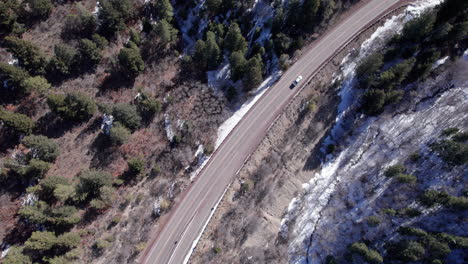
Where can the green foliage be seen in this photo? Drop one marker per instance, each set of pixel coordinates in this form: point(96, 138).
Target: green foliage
point(207, 54)
point(74, 106)
point(411, 251)
point(412, 231)
point(40, 9)
point(127, 115)
point(415, 156)
point(452, 152)
point(114, 14)
point(234, 41)
point(395, 75)
point(60, 218)
point(37, 84)
point(369, 255)
point(282, 43)
point(406, 178)
point(37, 168)
point(101, 245)
point(458, 203)
point(163, 10)
point(91, 183)
point(13, 76)
point(64, 192)
point(18, 122)
point(82, 24)
point(8, 15)
point(40, 241)
point(432, 197)
point(166, 32)
point(89, 52)
point(148, 106)
point(253, 75)
point(238, 65)
point(330, 260)
point(105, 199)
point(29, 55)
point(130, 61)
point(436, 248)
point(394, 170)
point(140, 247)
point(309, 9)
point(136, 166)
point(100, 41)
point(419, 28)
point(62, 63)
point(15, 256)
point(42, 147)
point(373, 101)
point(389, 211)
point(119, 134)
point(49, 186)
point(409, 212)
point(213, 6)
point(373, 221)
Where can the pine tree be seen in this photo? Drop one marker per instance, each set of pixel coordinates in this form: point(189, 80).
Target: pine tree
point(29, 56)
point(213, 52)
point(238, 65)
point(253, 75)
point(130, 61)
point(164, 10)
point(234, 41)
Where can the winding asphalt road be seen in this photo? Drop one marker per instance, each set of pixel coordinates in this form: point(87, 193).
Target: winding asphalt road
point(188, 218)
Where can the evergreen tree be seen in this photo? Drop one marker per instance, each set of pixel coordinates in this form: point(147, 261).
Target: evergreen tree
point(164, 10)
point(166, 32)
point(234, 41)
point(18, 122)
point(213, 52)
point(29, 56)
point(310, 8)
point(37, 84)
point(40, 9)
point(114, 14)
point(130, 61)
point(238, 65)
point(90, 54)
point(42, 147)
point(127, 115)
point(253, 75)
point(13, 77)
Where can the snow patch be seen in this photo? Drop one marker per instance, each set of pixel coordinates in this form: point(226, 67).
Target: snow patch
point(229, 124)
point(440, 62)
point(219, 78)
point(168, 127)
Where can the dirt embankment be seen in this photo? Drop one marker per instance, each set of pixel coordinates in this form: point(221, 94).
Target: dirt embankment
point(245, 227)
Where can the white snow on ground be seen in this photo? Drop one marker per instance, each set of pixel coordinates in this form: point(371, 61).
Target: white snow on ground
point(228, 125)
point(168, 127)
point(186, 25)
point(440, 62)
point(318, 191)
point(382, 34)
point(465, 55)
point(5, 251)
point(97, 8)
point(263, 12)
point(217, 79)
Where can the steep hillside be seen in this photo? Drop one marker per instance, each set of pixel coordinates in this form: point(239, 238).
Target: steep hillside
point(109, 108)
point(388, 179)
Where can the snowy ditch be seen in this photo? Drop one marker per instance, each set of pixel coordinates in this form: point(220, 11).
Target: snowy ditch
point(362, 151)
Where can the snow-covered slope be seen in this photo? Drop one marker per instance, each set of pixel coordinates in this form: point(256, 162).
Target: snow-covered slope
point(325, 217)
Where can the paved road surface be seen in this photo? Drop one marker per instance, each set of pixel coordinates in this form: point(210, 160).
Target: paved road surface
point(193, 211)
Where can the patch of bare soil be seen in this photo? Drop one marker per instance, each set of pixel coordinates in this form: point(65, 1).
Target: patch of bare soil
point(245, 227)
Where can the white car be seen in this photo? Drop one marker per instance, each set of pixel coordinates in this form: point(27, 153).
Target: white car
point(296, 82)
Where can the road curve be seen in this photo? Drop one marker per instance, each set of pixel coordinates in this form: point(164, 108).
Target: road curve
point(187, 220)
